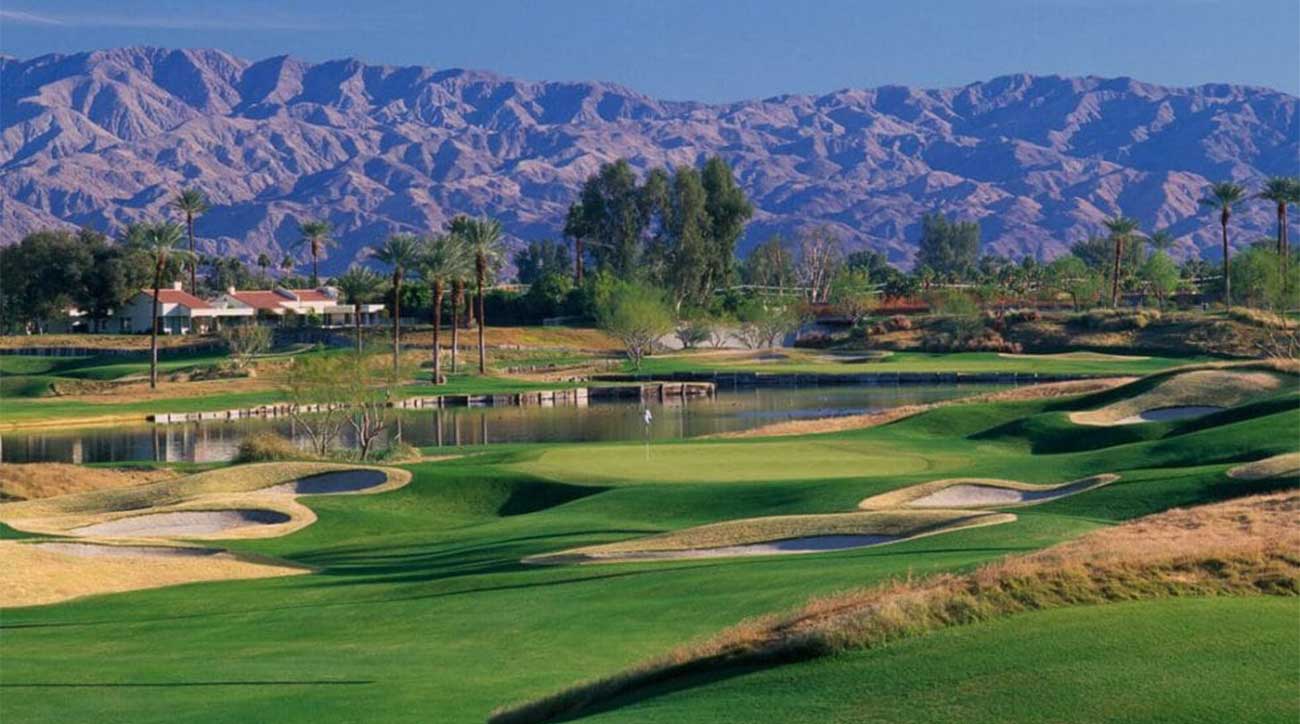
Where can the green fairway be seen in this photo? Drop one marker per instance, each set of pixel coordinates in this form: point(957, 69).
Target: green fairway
point(422, 611)
point(1187, 660)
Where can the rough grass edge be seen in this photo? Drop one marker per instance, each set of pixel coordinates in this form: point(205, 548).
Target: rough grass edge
point(1075, 573)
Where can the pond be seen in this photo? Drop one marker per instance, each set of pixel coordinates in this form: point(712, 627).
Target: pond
point(731, 409)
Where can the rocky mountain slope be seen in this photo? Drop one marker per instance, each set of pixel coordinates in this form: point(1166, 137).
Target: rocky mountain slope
point(104, 138)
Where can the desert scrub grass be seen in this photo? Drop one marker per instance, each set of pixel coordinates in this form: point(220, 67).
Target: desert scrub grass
point(1260, 318)
point(1242, 547)
point(267, 447)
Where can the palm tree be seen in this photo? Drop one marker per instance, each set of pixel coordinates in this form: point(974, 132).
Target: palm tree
point(1161, 240)
point(286, 265)
point(401, 252)
point(1223, 196)
point(358, 285)
point(443, 260)
point(191, 202)
point(263, 262)
point(1282, 191)
point(1121, 228)
point(315, 235)
point(575, 228)
point(160, 242)
point(483, 240)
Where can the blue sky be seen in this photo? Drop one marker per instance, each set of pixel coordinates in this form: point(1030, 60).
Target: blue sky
point(712, 50)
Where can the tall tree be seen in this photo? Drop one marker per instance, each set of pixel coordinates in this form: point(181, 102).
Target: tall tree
point(1282, 191)
point(191, 203)
point(482, 237)
point(770, 265)
point(1223, 196)
point(315, 235)
point(540, 259)
point(358, 285)
point(574, 228)
point(614, 218)
point(441, 262)
point(1120, 228)
point(401, 252)
point(161, 242)
point(263, 262)
point(729, 210)
point(948, 247)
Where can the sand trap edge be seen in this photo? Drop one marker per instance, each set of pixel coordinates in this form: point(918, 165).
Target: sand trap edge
point(563, 558)
point(1277, 466)
point(903, 497)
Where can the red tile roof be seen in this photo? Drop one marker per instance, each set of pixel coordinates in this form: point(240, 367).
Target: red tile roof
point(262, 300)
point(311, 295)
point(176, 296)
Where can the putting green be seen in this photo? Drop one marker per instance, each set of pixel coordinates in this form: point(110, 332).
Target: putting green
point(732, 462)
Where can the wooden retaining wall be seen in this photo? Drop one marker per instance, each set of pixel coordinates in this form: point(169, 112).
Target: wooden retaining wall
point(578, 397)
point(791, 379)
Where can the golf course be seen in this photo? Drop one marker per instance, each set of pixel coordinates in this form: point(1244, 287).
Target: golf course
point(627, 581)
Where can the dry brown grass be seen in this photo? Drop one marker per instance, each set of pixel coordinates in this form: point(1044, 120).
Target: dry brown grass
point(884, 417)
point(30, 576)
point(93, 341)
point(1196, 387)
point(898, 525)
point(1277, 466)
point(28, 481)
point(1242, 547)
point(571, 338)
point(906, 496)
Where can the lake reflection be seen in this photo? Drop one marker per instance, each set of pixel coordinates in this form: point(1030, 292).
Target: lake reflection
point(737, 409)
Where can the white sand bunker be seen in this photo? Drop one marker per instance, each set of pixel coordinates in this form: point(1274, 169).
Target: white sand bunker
point(182, 523)
point(333, 483)
point(96, 550)
point(980, 493)
point(1169, 414)
point(778, 535)
point(1186, 394)
point(1283, 465)
point(811, 544)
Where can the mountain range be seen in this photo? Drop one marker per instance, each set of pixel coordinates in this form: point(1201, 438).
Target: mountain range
point(105, 138)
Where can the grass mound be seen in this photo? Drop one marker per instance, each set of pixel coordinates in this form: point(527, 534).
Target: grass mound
point(27, 481)
point(1204, 388)
point(749, 536)
point(36, 574)
point(1242, 547)
point(980, 493)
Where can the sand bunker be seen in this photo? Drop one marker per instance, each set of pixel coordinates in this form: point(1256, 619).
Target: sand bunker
point(1186, 394)
point(1286, 464)
point(778, 535)
point(344, 481)
point(33, 574)
point(790, 546)
point(980, 493)
point(97, 550)
point(1080, 356)
point(1169, 414)
point(182, 523)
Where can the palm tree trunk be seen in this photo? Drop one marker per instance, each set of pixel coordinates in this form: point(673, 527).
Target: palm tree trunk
point(397, 318)
point(194, 259)
point(315, 277)
point(481, 266)
point(1282, 250)
point(153, 336)
point(1114, 281)
point(1227, 281)
point(356, 323)
point(437, 329)
point(457, 295)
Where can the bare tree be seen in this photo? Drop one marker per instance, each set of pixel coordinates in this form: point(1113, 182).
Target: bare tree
point(308, 385)
point(820, 255)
